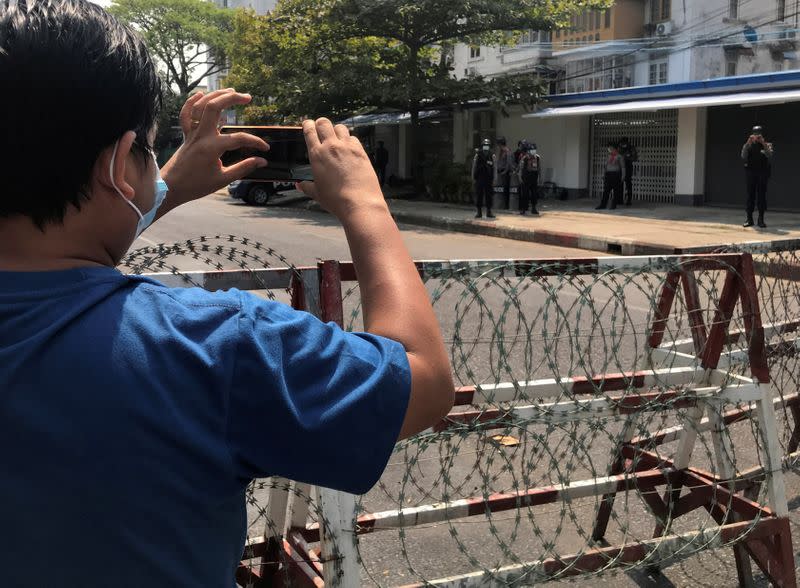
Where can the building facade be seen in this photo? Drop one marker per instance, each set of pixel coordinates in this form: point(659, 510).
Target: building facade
point(260, 7)
point(683, 80)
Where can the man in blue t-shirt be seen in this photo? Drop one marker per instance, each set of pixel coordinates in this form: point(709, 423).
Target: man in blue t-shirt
point(133, 416)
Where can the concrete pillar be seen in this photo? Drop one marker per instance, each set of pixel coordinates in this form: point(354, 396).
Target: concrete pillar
point(577, 149)
point(690, 160)
point(403, 160)
point(460, 137)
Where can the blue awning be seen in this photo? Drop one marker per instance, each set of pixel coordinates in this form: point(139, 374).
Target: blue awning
point(766, 82)
point(743, 99)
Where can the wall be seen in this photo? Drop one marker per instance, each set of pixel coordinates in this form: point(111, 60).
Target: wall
point(627, 19)
point(690, 164)
point(562, 142)
point(728, 129)
point(695, 21)
point(494, 60)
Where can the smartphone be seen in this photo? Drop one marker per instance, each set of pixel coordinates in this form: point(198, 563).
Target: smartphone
point(287, 155)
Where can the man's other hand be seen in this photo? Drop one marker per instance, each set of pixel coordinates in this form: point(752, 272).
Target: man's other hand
point(196, 170)
point(344, 179)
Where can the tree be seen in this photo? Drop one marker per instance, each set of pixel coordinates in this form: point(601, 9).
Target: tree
point(338, 56)
point(189, 37)
point(295, 64)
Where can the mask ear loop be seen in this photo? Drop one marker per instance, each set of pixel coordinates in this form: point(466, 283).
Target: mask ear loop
point(113, 183)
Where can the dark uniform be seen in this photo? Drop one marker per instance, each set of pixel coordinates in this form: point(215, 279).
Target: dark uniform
point(529, 166)
point(628, 151)
point(483, 176)
point(614, 178)
point(757, 157)
point(381, 161)
point(505, 168)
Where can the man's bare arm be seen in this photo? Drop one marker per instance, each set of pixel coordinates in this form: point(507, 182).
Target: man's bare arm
point(395, 302)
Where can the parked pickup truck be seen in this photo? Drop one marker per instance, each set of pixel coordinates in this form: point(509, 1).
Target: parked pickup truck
point(257, 193)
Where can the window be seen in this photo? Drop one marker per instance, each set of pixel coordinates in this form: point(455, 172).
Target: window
point(474, 52)
point(597, 19)
point(781, 9)
point(607, 23)
point(660, 10)
point(598, 73)
point(658, 73)
point(730, 68)
point(733, 11)
point(483, 126)
point(558, 33)
point(597, 36)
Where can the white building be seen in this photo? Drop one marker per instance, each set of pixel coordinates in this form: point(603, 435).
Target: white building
point(640, 70)
point(704, 39)
point(260, 7)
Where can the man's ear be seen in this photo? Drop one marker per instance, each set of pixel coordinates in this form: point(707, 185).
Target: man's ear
point(111, 167)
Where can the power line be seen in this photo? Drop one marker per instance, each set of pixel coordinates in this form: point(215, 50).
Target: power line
point(670, 51)
point(653, 45)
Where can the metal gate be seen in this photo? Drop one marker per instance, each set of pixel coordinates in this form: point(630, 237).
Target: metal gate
point(655, 136)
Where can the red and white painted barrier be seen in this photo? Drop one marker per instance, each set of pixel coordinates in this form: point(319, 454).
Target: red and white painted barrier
point(686, 375)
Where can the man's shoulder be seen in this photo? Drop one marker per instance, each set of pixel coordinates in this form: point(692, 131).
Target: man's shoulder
point(155, 307)
point(148, 303)
point(157, 294)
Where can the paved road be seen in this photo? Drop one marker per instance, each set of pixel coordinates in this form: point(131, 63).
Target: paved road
point(563, 322)
point(304, 236)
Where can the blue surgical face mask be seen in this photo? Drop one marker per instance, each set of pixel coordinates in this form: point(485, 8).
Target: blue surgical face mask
point(161, 189)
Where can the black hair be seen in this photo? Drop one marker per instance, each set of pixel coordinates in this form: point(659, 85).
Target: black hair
point(76, 80)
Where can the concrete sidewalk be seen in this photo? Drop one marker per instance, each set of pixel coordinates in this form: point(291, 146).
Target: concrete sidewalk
point(638, 230)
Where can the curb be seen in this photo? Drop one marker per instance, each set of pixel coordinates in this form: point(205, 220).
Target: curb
point(624, 247)
point(542, 236)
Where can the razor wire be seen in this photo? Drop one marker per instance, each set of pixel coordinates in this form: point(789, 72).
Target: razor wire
point(777, 267)
point(549, 358)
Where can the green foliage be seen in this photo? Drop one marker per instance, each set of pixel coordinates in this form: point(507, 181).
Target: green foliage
point(337, 57)
point(449, 182)
point(294, 64)
point(340, 57)
point(189, 37)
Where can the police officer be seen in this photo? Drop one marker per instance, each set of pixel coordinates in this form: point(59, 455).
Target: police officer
point(614, 177)
point(505, 167)
point(530, 164)
point(757, 157)
point(483, 166)
point(628, 151)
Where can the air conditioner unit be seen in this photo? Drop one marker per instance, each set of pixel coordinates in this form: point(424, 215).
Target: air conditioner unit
point(664, 29)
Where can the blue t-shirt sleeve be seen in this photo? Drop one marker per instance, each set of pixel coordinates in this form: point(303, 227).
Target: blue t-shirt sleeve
point(311, 402)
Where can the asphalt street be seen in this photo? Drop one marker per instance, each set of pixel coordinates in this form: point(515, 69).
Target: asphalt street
point(303, 236)
point(499, 331)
